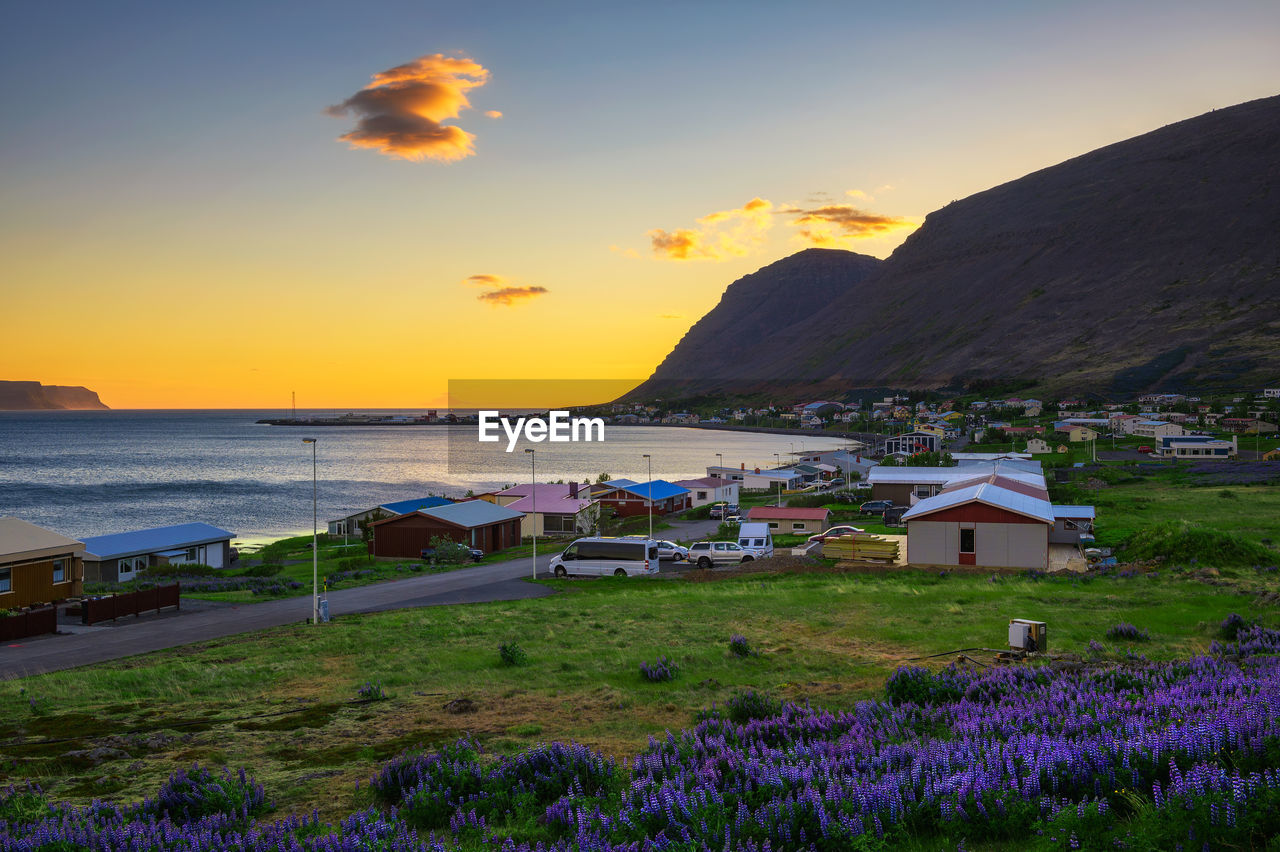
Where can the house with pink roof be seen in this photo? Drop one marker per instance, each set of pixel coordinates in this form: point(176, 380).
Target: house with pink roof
point(711, 489)
point(551, 508)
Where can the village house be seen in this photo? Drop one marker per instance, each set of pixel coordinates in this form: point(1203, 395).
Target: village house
point(636, 498)
point(1201, 447)
point(990, 522)
point(37, 565)
point(119, 558)
point(1156, 429)
point(552, 508)
point(353, 524)
point(791, 519)
point(474, 523)
point(1038, 446)
point(1075, 433)
point(710, 489)
point(910, 443)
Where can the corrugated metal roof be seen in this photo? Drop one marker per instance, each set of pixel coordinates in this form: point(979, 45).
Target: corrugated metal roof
point(659, 489)
point(1074, 512)
point(988, 494)
point(177, 536)
point(554, 506)
point(471, 513)
point(401, 507)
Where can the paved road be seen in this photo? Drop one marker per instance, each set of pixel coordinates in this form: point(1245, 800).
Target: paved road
point(498, 581)
point(495, 582)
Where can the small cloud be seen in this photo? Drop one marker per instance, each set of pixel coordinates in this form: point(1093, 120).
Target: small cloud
point(401, 112)
point(493, 113)
point(485, 280)
point(859, 194)
point(625, 252)
point(836, 224)
point(725, 234)
point(511, 295)
point(500, 292)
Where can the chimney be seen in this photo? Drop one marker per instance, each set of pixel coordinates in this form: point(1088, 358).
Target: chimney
point(573, 490)
point(757, 470)
point(744, 466)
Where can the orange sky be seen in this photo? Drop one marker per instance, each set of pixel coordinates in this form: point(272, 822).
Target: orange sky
point(215, 208)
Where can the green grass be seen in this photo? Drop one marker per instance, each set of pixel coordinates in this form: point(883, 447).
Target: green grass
point(826, 638)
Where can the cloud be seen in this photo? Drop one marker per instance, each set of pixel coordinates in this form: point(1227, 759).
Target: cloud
point(629, 253)
point(511, 295)
point(837, 224)
point(499, 291)
point(485, 280)
point(493, 113)
point(401, 112)
point(725, 234)
point(859, 194)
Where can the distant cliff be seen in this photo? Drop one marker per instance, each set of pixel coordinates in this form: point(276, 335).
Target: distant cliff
point(33, 396)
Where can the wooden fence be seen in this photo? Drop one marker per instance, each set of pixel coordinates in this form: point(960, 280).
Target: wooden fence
point(93, 610)
point(34, 622)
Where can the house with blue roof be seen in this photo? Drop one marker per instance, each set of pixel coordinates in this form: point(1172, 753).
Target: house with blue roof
point(354, 524)
point(637, 498)
point(120, 557)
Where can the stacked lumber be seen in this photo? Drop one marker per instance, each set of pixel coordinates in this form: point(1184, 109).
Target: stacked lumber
point(860, 547)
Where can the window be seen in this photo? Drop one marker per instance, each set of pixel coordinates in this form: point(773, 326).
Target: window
point(967, 541)
point(797, 525)
point(773, 525)
point(558, 523)
point(702, 495)
point(6, 582)
point(59, 571)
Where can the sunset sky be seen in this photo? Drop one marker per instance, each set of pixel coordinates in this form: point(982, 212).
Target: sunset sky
point(213, 205)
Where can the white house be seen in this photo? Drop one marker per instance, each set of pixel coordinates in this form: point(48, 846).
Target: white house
point(711, 489)
point(1038, 446)
point(991, 522)
point(1200, 447)
point(1156, 429)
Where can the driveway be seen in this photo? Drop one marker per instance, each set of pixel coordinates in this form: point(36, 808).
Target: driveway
point(499, 581)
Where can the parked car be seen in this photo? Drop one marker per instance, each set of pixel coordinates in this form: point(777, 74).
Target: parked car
point(671, 550)
point(705, 554)
point(835, 532)
point(875, 507)
point(893, 516)
point(599, 557)
point(717, 511)
point(732, 520)
point(1145, 449)
point(431, 554)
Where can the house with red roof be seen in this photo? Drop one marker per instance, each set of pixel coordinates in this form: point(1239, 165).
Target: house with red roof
point(791, 519)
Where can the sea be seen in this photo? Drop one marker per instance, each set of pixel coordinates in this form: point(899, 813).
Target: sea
point(88, 473)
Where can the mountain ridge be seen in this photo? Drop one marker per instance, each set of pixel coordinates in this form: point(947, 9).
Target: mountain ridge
point(1151, 263)
point(34, 396)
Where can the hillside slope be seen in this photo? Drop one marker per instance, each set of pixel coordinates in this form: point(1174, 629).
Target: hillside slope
point(1150, 263)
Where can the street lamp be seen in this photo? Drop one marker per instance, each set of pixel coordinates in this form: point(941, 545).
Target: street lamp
point(720, 462)
point(315, 538)
point(649, 459)
point(533, 493)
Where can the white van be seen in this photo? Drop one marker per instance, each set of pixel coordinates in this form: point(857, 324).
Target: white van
point(756, 540)
point(600, 557)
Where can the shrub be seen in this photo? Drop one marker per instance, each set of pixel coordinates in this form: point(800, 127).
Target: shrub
point(1231, 626)
point(1126, 631)
point(744, 705)
point(190, 796)
point(660, 670)
point(266, 569)
point(371, 691)
point(512, 654)
point(918, 685)
point(739, 647)
point(183, 569)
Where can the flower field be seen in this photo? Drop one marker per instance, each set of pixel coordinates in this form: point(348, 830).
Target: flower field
point(1145, 756)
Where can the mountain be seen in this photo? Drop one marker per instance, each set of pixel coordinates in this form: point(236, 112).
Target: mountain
point(33, 396)
point(1150, 264)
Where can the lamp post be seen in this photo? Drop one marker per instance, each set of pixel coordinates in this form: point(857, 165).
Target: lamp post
point(533, 495)
point(315, 538)
point(649, 459)
point(720, 462)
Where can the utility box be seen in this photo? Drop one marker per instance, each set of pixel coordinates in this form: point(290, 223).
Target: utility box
point(1030, 636)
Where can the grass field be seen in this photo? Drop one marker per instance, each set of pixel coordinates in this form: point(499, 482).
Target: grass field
point(827, 638)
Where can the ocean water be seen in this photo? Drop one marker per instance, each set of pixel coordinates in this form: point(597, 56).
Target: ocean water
point(85, 473)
